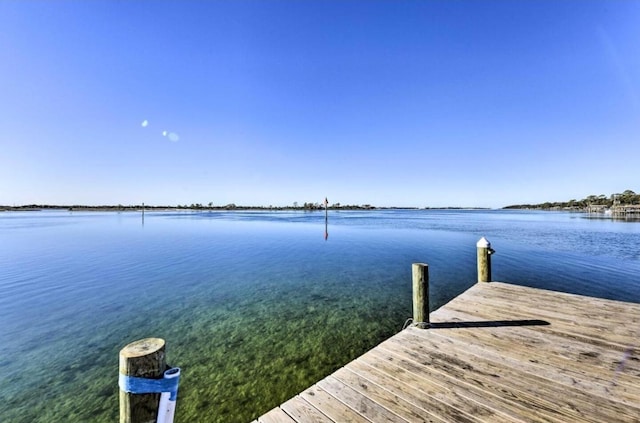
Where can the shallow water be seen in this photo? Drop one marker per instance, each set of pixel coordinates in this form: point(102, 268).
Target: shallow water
point(254, 306)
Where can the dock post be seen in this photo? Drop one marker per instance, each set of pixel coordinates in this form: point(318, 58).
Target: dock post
point(420, 273)
point(484, 260)
point(144, 359)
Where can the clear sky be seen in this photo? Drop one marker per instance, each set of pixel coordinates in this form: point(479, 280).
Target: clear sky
point(405, 103)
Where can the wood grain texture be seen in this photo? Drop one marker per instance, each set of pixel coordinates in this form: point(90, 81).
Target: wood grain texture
point(144, 358)
point(331, 406)
point(276, 415)
point(497, 353)
point(484, 264)
point(420, 275)
point(301, 411)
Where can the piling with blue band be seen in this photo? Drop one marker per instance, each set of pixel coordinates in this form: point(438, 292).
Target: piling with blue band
point(141, 385)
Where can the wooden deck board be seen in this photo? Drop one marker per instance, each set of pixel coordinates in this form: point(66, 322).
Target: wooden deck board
point(331, 406)
point(498, 375)
point(302, 411)
point(548, 343)
point(363, 404)
point(497, 353)
point(276, 415)
point(497, 382)
point(588, 365)
point(462, 391)
point(382, 396)
point(440, 402)
point(590, 321)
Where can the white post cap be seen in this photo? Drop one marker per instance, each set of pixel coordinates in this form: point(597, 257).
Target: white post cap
point(483, 243)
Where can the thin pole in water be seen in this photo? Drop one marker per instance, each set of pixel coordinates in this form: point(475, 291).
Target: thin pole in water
point(326, 219)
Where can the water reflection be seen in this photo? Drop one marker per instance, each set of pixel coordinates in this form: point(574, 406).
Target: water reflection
point(326, 226)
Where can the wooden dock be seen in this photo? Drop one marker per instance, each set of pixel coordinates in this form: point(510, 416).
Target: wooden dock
point(496, 353)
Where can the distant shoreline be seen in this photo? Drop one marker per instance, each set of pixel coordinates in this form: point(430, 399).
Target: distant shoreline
point(138, 208)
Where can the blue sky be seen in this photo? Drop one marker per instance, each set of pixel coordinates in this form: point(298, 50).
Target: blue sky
point(410, 103)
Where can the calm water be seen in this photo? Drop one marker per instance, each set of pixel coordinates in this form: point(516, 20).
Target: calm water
point(254, 306)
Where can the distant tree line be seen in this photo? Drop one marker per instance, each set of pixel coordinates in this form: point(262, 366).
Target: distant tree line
point(628, 197)
point(193, 206)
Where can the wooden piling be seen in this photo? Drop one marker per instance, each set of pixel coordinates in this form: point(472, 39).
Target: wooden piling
point(420, 273)
point(484, 260)
point(144, 358)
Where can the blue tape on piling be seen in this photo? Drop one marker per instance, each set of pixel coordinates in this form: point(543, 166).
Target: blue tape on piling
point(141, 385)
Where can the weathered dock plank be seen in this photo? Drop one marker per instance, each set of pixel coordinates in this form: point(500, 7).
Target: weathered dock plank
point(499, 376)
point(440, 402)
point(361, 403)
point(602, 321)
point(301, 410)
point(497, 353)
point(331, 406)
point(564, 360)
point(462, 391)
point(276, 415)
point(382, 396)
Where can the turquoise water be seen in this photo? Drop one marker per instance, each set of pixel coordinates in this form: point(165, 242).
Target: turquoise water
point(254, 306)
